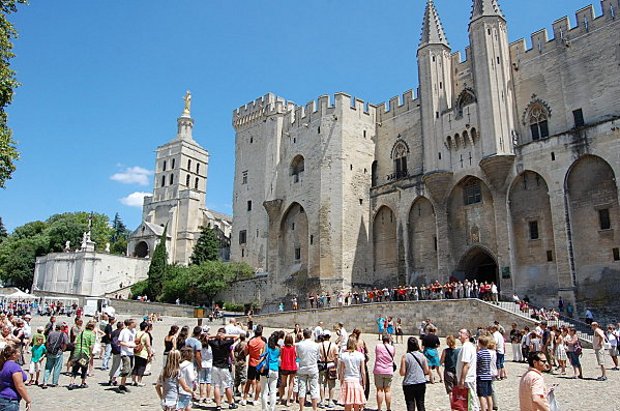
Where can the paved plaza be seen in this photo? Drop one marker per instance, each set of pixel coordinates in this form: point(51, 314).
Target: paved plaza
point(586, 394)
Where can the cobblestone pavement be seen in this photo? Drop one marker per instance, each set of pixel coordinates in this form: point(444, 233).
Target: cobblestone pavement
point(587, 394)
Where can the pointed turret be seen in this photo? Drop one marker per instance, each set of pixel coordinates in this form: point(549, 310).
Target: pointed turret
point(482, 8)
point(432, 30)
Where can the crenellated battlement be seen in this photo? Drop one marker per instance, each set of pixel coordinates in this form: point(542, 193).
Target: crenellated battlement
point(586, 21)
point(327, 105)
point(397, 105)
point(259, 109)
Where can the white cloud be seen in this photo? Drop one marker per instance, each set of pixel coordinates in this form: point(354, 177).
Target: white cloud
point(133, 175)
point(134, 199)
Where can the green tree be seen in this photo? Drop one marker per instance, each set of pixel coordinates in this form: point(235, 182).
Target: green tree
point(157, 269)
point(207, 247)
point(8, 149)
point(120, 235)
point(18, 257)
point(3, 232)
point(71, 227)
point(140, 288)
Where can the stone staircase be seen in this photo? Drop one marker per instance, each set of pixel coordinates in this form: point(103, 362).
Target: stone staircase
point(583, 330)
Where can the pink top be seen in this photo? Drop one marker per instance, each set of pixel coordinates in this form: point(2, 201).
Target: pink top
point(383, 359)
point(532, 386)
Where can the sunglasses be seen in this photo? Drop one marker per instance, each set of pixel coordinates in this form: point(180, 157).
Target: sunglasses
point(543, 361)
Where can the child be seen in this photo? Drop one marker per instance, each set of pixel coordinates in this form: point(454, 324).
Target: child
point(38, 353)
point(170, 381)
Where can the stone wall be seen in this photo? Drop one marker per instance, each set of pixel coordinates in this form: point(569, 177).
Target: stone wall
point(248, 291)
point(448, 315)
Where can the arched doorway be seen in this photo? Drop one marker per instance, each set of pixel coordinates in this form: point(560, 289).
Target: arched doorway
point(384, 243)
point(293, 240)
point(141, 249)
point(478, 264)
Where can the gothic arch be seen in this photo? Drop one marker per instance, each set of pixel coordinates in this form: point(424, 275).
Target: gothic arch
point(532, 234)
point(536, 118)
point(465, 98)
point(385, 243)
point(422, 240)
point(399, 149)
point(293, 239)
point(479, 263)
point(297, 167)
point(594, 216)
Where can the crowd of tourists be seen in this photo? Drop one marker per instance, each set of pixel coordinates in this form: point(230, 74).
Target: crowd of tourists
point(484, 290)
point(318, 367)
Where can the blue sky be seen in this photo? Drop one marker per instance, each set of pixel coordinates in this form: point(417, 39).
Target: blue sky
point(103, 82)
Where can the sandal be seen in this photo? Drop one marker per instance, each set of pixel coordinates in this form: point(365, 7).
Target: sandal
point(83, 385)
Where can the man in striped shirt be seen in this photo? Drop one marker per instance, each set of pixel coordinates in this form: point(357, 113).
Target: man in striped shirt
point(484, 377)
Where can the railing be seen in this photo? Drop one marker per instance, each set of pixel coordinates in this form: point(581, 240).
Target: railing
point(397, 176)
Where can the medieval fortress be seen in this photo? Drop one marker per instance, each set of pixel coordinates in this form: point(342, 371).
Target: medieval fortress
point(501, 166)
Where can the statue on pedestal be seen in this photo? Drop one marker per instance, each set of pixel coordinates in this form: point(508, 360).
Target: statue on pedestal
point(67, 246)
point(107, 248)
point(188, 103)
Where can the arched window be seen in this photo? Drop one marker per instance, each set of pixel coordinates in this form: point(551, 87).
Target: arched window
point(187, 180)
point(539, 126)
point(297, 168)
point(172, 165)
point(171, 179)
point(163, 181)
point(374, 173)
point(164, 166)
point(196, 183)
point(197, 168)
point(189, 164)
point(464, 99)
point(399, 156)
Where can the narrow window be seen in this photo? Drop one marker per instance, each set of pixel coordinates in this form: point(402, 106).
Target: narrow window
point(257, 233)
point(603, 218)
point(164, 166)
point(244, 177)
point(497, 60)
point(293, 226)
point(552, 156)
point(373, 173)
point(439, 155)
point(297, 253)
point(197, 168)
point(187, 180)
point(242, 252)
point(311, 239)
point(549, 255)
point(616, 252)
point(196, 182)
point(364, 133)
point(172, 165)
point(435, 242)
point(171, 179)
point(578, 117)
point(189, 164)
point(361, 201)
point(318, 130)
point(249, 205)
point(163, 181)
point(534, 230)
point(242, 236)
point(251, 140)
point(351, 167)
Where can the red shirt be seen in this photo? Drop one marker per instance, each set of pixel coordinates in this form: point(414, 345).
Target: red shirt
point(288, 356)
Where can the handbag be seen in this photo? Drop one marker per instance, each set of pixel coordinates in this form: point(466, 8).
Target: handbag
point(553, 403)
point(459, 398)
point(82, 358)
point(391, 356)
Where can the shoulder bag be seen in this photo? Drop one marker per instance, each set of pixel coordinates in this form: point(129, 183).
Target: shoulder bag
point(82, 358)
point(392, 357)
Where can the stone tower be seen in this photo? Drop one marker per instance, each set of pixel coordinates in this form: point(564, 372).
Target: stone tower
point(491, 67)
point(179, 195)
point(434, 66)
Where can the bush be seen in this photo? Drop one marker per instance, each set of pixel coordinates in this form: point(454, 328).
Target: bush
point(237, 308)
point(139, 288)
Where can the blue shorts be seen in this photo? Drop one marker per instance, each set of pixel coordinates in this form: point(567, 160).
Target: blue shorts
point(500, 361)
point(484, 388)
point(9, 405)
point(184, 401)
point(204, 376)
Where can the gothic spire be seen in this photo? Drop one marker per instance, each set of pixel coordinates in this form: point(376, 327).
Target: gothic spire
point(432, 30)
point(482, 8)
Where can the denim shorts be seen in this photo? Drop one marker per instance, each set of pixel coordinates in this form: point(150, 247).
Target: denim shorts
point(204, 376)
point(184, 401)
point(8, 405)
point(484, 388)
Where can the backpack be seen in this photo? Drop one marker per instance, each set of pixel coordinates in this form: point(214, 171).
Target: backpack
point(263, 366)
point(139, 346)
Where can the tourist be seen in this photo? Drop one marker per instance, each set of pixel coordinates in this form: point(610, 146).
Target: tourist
point(308, 372)
point(170, 382)
point(55, 346)
point(126, 341)
point(532, 390)
point(515, 342)
point(269, 382)
point(449, 358)
point(414, 368)
point(498, 337)
point(74, 331)
point(206, 365)
point(466, 368)
point(183, 335)
point(380, 327)
point(560, 350)
point(484, 376)
point(106, 343)
point(612, 337)
point(116, 353)
point(82, 353)
point(317, 333)
point(288, 369)
point(389, 327)
point(589, 316)
point(352, 376)
point(38, 353)
point(188, 374)
point(240, 363)
point(399, 331)
point(597, 344)
point(573, 350)
point(329, 374)
point(142, 352)
point(170, 340)
point(221, 379)
point(384, 372)
point(49, 327)
point(255, 348)
point(12, 379)
point(430, 344)
point(363, 349)
point(343, 336)
point(194, 343)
